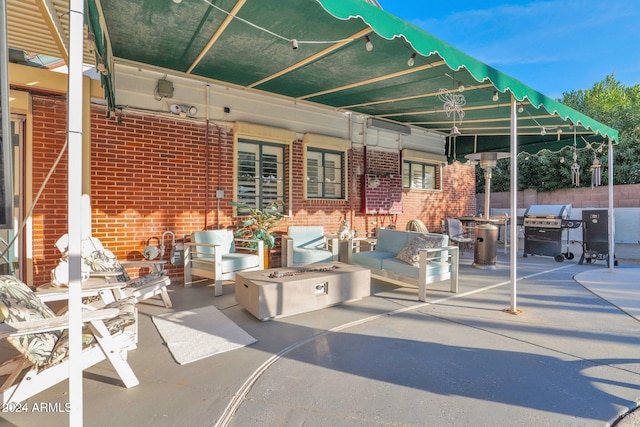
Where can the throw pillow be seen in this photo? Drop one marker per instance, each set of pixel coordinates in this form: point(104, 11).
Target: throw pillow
point(411, 253)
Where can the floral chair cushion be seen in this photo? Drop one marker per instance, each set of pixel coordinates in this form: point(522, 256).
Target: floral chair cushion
point(23, 305)
point(102, 261)
point(126, 316)
point(143, 280)
point(411, 252)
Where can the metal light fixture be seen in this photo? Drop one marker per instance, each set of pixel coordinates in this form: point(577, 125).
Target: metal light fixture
point(183, 110)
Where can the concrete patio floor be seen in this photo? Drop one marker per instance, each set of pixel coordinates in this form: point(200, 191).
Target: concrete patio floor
point(571, 358)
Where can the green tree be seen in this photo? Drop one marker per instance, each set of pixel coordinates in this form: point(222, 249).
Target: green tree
point(608, 102)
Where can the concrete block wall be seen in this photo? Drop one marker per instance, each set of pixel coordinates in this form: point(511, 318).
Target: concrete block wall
point(626, 204)
point(624, 196)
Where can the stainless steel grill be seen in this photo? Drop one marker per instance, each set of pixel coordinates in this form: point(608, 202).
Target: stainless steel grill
point(543, 229)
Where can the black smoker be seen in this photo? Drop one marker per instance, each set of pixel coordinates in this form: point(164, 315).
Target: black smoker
point(543, 229)
point(595, 236)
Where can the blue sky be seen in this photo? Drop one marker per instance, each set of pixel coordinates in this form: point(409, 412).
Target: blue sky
point(553, 46)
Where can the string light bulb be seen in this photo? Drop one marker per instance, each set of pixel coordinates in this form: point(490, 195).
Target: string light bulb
point(595, 172)
point(460, 87)
point(495, 96)
point(367, 44)
point(543, 131)
point(91, 41)
point(520, 109)
point(101, 67)
point(412, 60)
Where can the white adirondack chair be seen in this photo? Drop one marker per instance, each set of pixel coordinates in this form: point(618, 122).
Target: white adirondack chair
point(41, 339)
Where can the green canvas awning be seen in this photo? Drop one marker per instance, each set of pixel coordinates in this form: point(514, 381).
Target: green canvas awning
point(249, 44)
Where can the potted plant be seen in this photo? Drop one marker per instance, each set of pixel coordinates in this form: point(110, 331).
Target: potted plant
point(256, 224)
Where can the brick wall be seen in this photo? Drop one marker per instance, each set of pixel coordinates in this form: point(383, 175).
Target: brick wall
point(50, 213)
point(150, 173)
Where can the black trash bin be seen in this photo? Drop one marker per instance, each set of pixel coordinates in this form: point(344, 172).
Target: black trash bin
point(486, 246)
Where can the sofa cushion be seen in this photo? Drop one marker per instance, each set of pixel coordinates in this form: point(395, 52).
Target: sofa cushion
point(310, 256)
point(411, 252)
point(401, 267)
point(393, 240)
point(372, 259)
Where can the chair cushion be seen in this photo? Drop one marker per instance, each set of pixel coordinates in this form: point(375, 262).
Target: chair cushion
point(230, 263)
point(126, 316)
point(237, 261)
point(102, 261)
point(303, 256)
point(223, 238)
point(22, 304)
point(311, 237)
point(145, 280)
point(371, 259)
point(411, 252)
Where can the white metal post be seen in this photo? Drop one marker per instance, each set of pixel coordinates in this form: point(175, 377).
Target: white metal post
point(74, 197)
point(612, 229)
point(514, 205)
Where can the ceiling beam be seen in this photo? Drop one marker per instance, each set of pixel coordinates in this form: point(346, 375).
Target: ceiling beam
point(52, 20)
point(375, 79)
point(409, 98)
point(217, 34)
point(501, 119)
point(314, 57)
point(415, 113)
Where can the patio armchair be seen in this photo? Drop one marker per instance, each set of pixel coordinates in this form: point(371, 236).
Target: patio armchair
point(457, 234)
point(308, 245)
point(41, 339)
point(218, 255)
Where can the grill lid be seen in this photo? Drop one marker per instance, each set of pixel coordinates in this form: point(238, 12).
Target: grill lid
point(548, 211)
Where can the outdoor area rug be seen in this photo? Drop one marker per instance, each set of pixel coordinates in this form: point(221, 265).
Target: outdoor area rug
point(195, 334)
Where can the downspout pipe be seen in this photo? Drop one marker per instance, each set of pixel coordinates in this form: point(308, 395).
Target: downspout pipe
point(206, 156)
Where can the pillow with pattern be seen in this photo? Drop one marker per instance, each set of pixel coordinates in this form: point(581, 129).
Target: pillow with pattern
point(411, 253)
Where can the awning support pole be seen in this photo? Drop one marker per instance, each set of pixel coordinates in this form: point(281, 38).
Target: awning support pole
point(611, 222)
point(513, 224)
point(74, 215)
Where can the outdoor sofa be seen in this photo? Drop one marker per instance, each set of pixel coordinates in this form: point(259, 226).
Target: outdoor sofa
point(410, 258)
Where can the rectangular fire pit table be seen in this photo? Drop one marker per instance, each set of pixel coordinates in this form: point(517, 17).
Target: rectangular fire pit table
point(278, 292)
